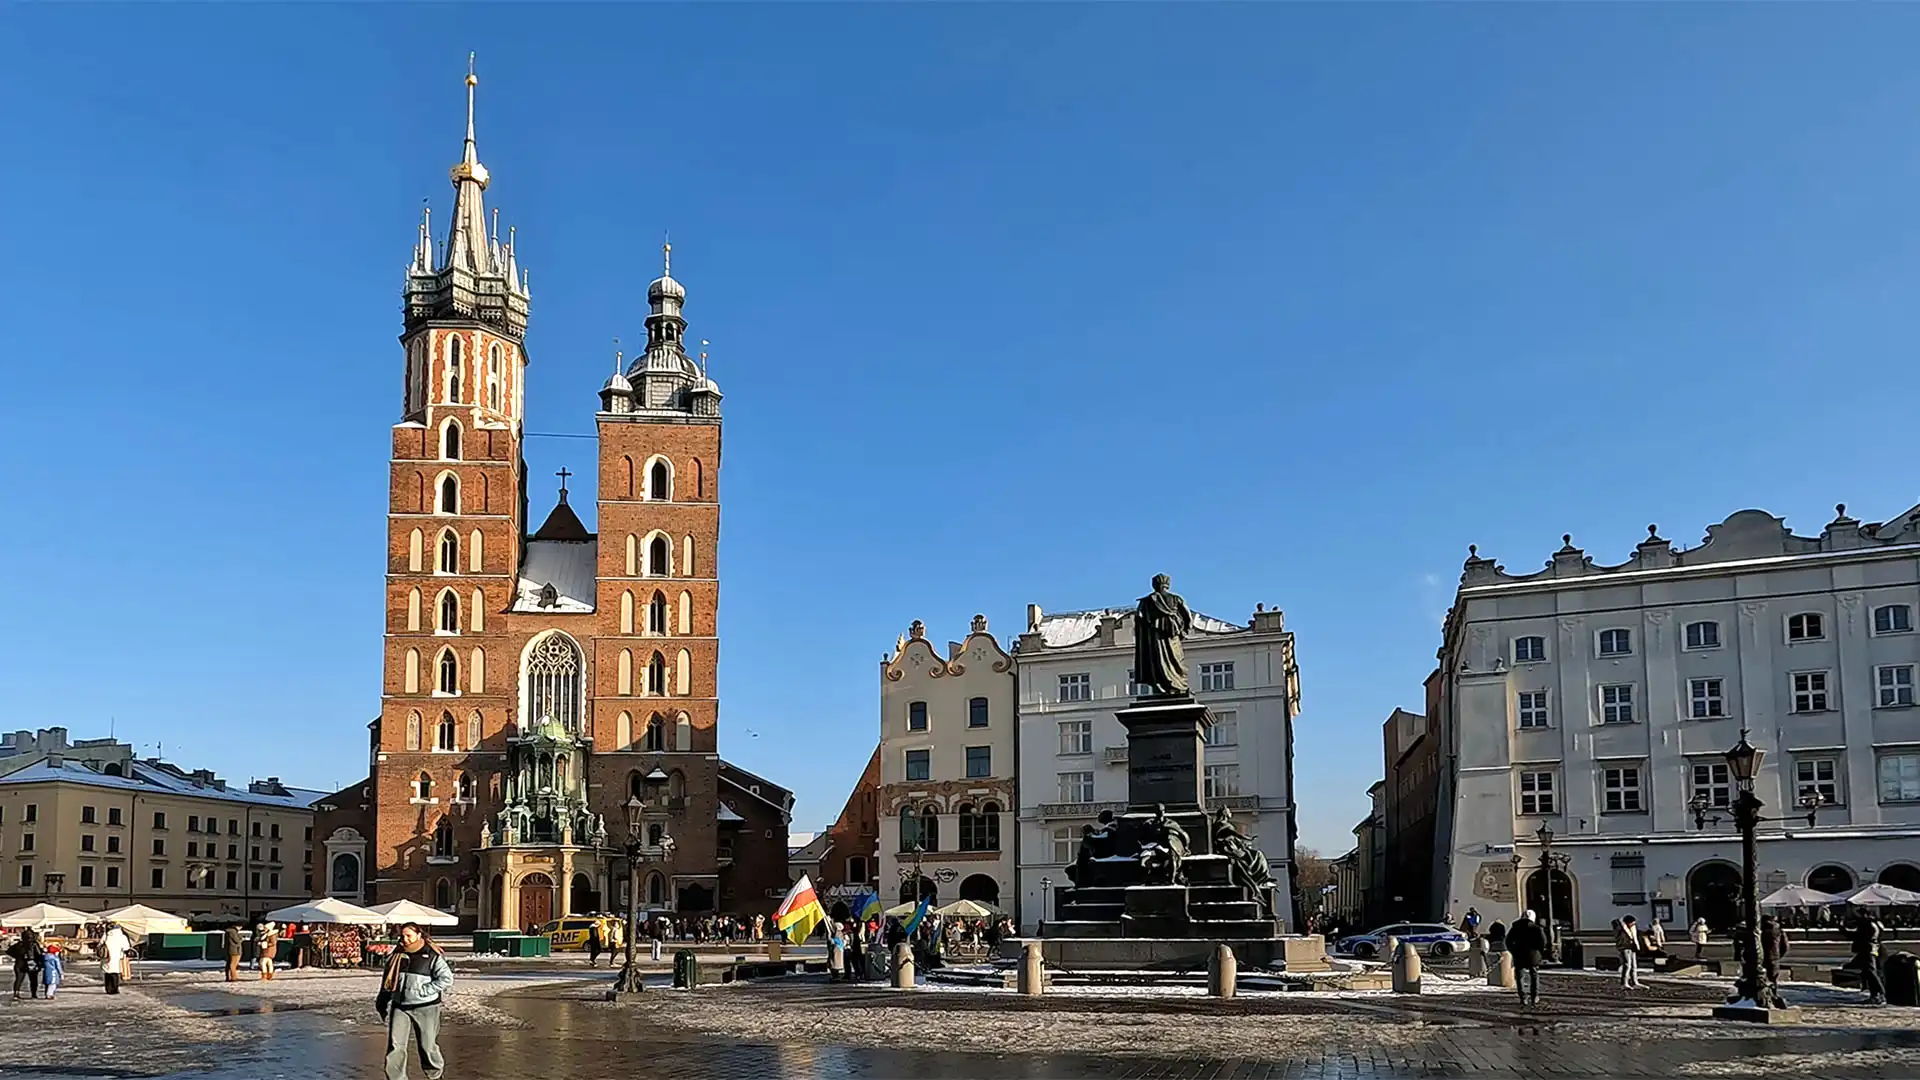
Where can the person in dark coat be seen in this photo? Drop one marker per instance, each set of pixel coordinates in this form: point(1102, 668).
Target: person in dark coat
point(1866, 956)
point(1527, 942)
point(1773, 946)
point(28, 954)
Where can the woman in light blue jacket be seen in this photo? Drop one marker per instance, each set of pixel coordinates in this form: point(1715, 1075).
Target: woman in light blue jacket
point(416, 979)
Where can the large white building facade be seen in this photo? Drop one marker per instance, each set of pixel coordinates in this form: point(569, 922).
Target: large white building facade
point(1074, 671)
point(945, 800)
point(1598, 700)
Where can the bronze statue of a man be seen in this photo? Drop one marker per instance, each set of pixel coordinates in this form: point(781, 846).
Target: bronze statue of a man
point(1159, 623)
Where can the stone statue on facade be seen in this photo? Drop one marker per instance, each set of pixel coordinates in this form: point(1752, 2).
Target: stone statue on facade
point(1249, 862)
point(1165, 847)
point(599, 830)
point(1161, 620)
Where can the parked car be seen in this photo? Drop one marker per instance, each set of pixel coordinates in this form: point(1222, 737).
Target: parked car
point(567, 935)
point(1431, 938)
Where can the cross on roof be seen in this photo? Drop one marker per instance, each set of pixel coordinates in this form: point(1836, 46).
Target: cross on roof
point(563, 474)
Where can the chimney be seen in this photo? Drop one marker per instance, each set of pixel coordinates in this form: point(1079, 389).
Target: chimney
point(1033, 617)
point(56, 760)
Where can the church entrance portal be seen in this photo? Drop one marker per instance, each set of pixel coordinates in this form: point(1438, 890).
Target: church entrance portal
point(536, 900)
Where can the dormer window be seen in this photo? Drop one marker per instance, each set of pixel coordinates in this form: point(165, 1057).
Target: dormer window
point(549, 596)
point(1806, 626)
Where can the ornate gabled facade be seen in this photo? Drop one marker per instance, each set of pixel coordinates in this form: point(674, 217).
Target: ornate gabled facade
point(534, 678)
point(1598, 701)
point(947, 746)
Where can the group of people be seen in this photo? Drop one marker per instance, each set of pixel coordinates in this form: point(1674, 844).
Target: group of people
point(266, 944)
point(40, 964)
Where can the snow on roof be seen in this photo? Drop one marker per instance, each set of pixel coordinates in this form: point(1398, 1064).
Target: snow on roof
point(568, 565)
point(1072, 627)
point(145, 778)
point(727, 814)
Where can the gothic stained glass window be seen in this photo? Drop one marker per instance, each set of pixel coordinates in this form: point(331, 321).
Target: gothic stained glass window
point(553, 682)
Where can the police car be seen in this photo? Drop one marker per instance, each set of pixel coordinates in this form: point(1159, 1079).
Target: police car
point(1431, 938)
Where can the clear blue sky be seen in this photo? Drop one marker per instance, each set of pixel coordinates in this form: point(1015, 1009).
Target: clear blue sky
point(1011, 305)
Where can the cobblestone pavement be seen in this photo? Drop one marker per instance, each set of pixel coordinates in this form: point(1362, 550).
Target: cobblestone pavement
point(562, 1032)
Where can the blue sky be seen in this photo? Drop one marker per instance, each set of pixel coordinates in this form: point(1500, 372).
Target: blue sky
point(1011, 305)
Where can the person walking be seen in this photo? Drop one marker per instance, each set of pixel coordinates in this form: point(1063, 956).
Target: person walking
point(657, 932)
point(1626, 943)
point(1773, 946)
point(1527, 944)
point(416, 979)
point(236, 945)
point(28, 954)
point(267, 941)
point(595, 943)
point(116, 957)
point(1866, 956)
point(1699, 935)
point(53, 970)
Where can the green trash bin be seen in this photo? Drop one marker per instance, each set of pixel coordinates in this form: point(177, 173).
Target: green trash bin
point(483, 941)
point(1901, 973)
point(686, 969)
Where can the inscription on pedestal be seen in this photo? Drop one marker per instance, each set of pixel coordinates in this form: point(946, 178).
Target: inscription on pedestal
point(1166, 750)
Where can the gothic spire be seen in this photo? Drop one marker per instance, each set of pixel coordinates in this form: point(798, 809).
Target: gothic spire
point(467, 243)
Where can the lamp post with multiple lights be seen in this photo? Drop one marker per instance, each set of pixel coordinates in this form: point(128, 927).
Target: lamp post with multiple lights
point(639, 846)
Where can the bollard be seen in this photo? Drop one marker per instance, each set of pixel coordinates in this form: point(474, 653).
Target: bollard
point(1500, 972)
point(1406, 970)
point(1223, 973)
point(1390, 948)
point(773, 950)
point(1477, 958)
point(1033, 977)
point(903, 966)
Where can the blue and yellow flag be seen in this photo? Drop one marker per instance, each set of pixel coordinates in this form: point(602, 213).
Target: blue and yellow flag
point(868, 906)
point(918, 914)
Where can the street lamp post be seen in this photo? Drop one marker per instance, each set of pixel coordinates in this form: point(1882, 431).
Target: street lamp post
point(629, 981)
point(1743, 764)
point(1519, 893)
point(1046, 907)
point(1550, 863)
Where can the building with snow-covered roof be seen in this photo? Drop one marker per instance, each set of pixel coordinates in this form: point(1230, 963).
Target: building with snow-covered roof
point(1074, 670)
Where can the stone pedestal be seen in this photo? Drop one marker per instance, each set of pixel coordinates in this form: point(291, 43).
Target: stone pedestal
point(1223, 973)
point(1406, 970)
point(1166, 739)
point(1753, 1014)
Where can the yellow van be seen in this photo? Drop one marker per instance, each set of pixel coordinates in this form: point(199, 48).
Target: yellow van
point(567, 935)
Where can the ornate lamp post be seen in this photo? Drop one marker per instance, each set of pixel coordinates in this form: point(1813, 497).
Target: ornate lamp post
point(637, 849)
point(1551, 862)
point(1046, 897)
point(1743, 764)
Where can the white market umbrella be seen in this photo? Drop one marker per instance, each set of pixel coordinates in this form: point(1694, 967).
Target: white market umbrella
point(1882, 895)
point(406, 911)
point(38, 915)
point(327, 910)
point(1799, 896)
point(901, 911)
point(141, 920)
point(967, 909)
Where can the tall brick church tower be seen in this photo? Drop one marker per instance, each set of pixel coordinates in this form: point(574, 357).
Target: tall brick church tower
point(535, 682)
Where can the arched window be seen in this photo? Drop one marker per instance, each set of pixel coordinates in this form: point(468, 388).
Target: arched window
point(416, 380)
point(636, 786)
point(929, 829)
point(676, 784)
point(686, 557)
point(989, 826)
point(450, 441)
point(657, 557)
point(479, 610)
point(626, 612)
point(683, 673)
point(448, 732)
point(449, 673)
point(682, 733)
point(657, 614)
point(699, 480)
point(493, 377)
point(553, 672)
point(466, 787)
point(346, 875)
point(449, 553)
point(414, 543)
point(477, 671)
point(969, 840)
point(633, 555)
point(443, 894)
point(455, 359)
point(449, 494)
point(626, 475)
point(657, 674)
point(623, 675)
point(423, 787)
point(413, 610)
point(413, 731)
point(659, 485)
point(449, 612)
point(473, 725)
point(474, 562)
point(656, 740)
point(656, 831)
point(623, 731)
point(686, 612)
point(656, 889)
point(412, 683)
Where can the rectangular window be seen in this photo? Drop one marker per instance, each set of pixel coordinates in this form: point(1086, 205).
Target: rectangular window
point(1703, 635)
point(1217, 676)
point(86, 877)
point(1809, 691)
point(1896, 685)
point(1706, 698)
point(1533, 709)
point(113, 877)
point(1621, 788)
point(1225, 730)
point(274, 832)
point(1893, 619)
point(1529, 650)
point(159, 845)
point(233, 879)
point(1616, 704)
point(253, 881)
point(919, 767)
point(113, 845)
point(256, 828)
point(1900, 778)
point(1076, 736)
point(1807, 626)
point(113, 815)
point(86, 841)
point(1076, 787)
point(1065, 846)
point(26, 875)
point(1076, 687)
point(977, 712)
point(233, 826)
point(193, 822)
point(193, 849)
point(273, 855)
point(1221, 782)
point(159, 878)
point(916, 716)
point(159, 819)
point(979, 762)
point(1711, 779)
point(32, 813)
point(1818, 777)
point(273, 882)
point(1536, 794)
point(1134, 689)
point(26, 842)
point(1616, 642)
point(233, 851)
point(87, 815)
point(253, 853)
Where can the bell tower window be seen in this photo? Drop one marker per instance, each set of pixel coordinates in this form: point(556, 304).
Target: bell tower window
point(493, 377)
point(449, 494)
point(449, 553)
point(450, 442)
point(659, 482)
point(455, 361)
